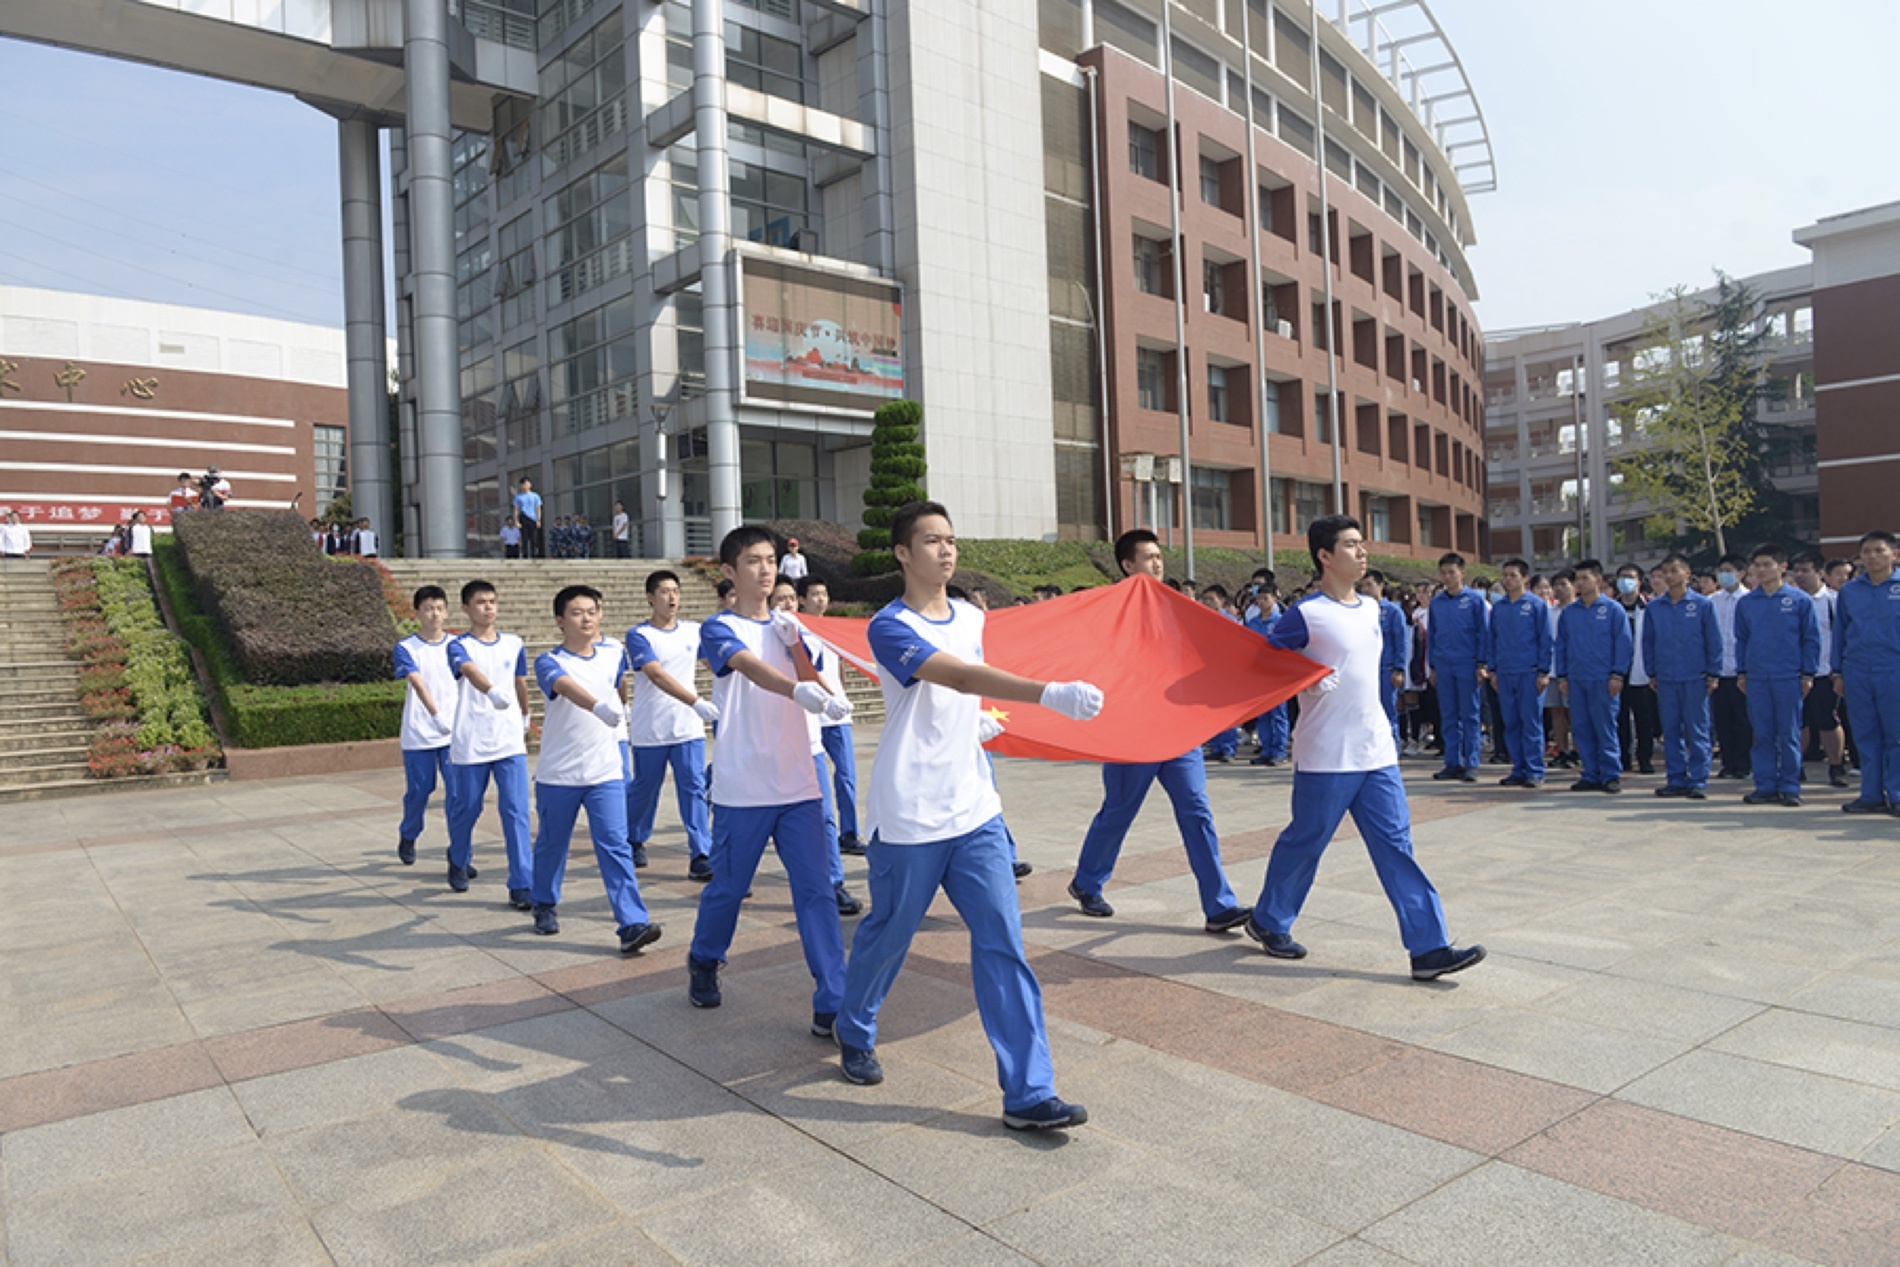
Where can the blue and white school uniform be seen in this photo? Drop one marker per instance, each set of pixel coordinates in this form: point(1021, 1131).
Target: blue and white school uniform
point(1345, 760)
point(1777, 644)
point(937, 823)
point(765, 786)
point(1682, 652)
point(664, 733)
point(581, 767)
point(489, 743)
point(1517, 648)
point(1594, 647)
point(425, 750)
point(842, 757)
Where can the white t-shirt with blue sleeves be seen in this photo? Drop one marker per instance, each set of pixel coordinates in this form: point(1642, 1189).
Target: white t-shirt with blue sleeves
point(930, 781)
point(415, 654)
point(577, 748)
point(654, 718)
point(484, 733)
point(1344, 730)
point(762, 756)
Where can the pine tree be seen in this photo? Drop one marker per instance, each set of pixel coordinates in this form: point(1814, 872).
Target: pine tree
point(897, 471)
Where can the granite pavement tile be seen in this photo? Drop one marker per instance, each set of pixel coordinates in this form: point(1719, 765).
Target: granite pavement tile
point(1852, 1220)
point(156, 1133)
point(1808, 1110)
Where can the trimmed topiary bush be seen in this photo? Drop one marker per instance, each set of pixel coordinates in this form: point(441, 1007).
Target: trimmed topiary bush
point(897, 470)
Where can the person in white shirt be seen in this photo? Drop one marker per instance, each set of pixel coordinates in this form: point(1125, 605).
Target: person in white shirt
point(428, 715)
point(1728, 707)
point(666, 723)
point(785, 598)
point(937, 823)
point(365, 539)
point(16, 542)
point(141, 536)
point(764, 784)
point(582, 766)
point(1821, 710)
point(793, 566)
point(491, 722)
point(623, 532)
point(814, 598)
point(1344, 760)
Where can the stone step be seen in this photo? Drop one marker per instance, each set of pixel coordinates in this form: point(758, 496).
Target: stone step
point(49, 755)
point(13, 694)
point(18, 774)
point(40, 712)
point(45, 736)
point(89, 786)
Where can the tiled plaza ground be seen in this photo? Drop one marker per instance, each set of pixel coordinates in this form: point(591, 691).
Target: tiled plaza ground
point(234, 1029)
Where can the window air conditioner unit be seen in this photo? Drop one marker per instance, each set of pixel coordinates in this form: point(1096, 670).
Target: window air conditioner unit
point(1283, 328)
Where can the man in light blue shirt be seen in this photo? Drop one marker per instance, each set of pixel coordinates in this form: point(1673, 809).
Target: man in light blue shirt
point(528, 511)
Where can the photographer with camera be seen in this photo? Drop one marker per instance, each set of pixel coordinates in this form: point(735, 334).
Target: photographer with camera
point(213, 490)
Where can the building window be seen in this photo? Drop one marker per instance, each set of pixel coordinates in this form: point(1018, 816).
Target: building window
point(1263, 199)
point(1148, 272)
point(1273, 407)
point(1213, 499)
point(773, 66)
point(1322, 417)
point(1379, 518)
point(1309, 503)
point(1214, 287)
point(332, 473)
point(1217, 406)
point(1210, 181)
point(1144, 152)
point(1151, 379)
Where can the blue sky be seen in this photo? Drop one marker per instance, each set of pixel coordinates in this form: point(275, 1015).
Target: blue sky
point(1640, 144)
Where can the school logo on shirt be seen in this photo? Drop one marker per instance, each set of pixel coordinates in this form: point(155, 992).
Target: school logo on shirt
point(1602, 613)
point(1787, 603)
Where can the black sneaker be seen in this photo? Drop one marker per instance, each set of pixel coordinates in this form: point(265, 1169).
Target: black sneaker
point(1514, 780)
point(1020, 869)
point(847, 905)
point(1613, 786)
point(1228, 920)
point(521, 899)
point(1091, 903)
point(1222, 758)
point(1444, 961)
point(1450, 774)
point(1696, 794)
point(406, 849)
point(544, 921)
point(850, 844)
point(1646, 767)
point(1837, 776)
point(699, 870)
point(1670, 789)
point(639, 855)
point(1467, 775)
point(637, 937)
point(1791, 800)
point(1762, 798)
point(1586, 785)
point(1052, 1114)
point(702, 982)
point(860, 1066)
point(458, 878)
point(1863, 807)
point(824, 1024)
point(1278, 945)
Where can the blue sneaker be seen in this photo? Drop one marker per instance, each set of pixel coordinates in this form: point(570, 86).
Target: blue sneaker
point(847, 904)
point(824, 1024)
point(860, 1066)
point(702, 982)
point(1051, 1114)
point(1278, 945)
point(1091, 903)
point(458, 878)
point(636, 937)
point(1444, 961)
point(544, 921)
point(406, 851)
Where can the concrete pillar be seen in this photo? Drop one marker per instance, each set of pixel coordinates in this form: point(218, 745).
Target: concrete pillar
point(425, 56)
point(368, 365)
point(716, 264)
point(407, 483)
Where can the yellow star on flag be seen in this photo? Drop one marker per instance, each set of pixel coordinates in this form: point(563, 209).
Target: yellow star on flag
point(996, 714)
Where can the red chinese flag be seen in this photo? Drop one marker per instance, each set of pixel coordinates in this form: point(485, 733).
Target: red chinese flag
point(1174, 674)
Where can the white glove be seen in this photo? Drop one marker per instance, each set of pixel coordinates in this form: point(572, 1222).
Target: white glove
point(1077, 701)
point(501, 699)
point(786, 626)
point(1328, 684)
point(440, 725)
point(608, 710)
point(810, 696)
point(987, 728)
point(527, 723)
point(837, 709)
point(707, 710)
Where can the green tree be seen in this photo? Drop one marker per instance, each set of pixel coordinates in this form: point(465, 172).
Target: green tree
point(1696, 385)
point(897, 471)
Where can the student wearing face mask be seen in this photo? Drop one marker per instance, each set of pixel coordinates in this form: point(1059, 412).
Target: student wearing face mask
point(1728, 707)
point(1639, 721)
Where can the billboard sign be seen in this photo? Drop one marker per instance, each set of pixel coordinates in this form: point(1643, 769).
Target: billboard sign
point(815, 337)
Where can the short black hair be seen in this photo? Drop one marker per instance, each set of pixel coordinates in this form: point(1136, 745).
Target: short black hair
point(1768, 550)
point(724, 587)
point(659, 577)
point(473, 588)
point(1589, 565)
point(1878, 534)
point(1452, 557)
point(1565, 574)
point(1374, 574)
point(1519, 564)
point(1633, 569)
point(1676, 558)
point(1323, 534)
point(741, 539)
point(571, 592)
point(1839, 563)
point(1727, 559)
point(786, 581)
point(428, 592)
point(1126, 543)
point(806, 582)
point(184, 475)
point(904, 522)
point(522, 480)
point(1265, 574)
point(950, 591)
point(1813, 558)
point(1215, 588)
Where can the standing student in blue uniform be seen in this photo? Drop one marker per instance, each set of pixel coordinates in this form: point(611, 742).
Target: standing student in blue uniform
point(1821, 711)
point(1453, 639)
point(1517, 656)
point(1592, 661)
point(1867, 671)
point(1272, 728)
point(814, 598)
point(491, 724)
point(428, 716)
point(1728, 707)
point(666, 724)
point(764, 783)
point(1396, 631)
point(937, 823)
point(1344, 760)
point(1124, 787)
point(581, 768)
point(1682, 652)
point(1777, 652)
point(785, 599)
point(1226, 745)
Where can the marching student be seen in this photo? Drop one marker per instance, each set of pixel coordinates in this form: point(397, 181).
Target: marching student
point(785, 599)
point(1777, 649)
point(1124, 787)
point(1682, 652)
point(814, 598)
point(1517, 655)
point(428, 716)
point(1454, 637)
point(1344, 760)
point(581, 767)
point(1821, 711)
point(1867, 672)
point(1592, 661)
point(491, 722)
point(937, 823)
point(1728, 707)
point(666, 724)
point(765, 785)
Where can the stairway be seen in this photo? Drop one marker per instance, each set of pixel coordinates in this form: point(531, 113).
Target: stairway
point(43, 731)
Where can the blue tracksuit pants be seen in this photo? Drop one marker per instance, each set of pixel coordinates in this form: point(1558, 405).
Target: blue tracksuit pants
point(1685, 728)
point(974, 872)
point(1225, 744)
point(1274, 731)
point(688, 762)
point(1458, 700)
point(1523, 717)
point(834, 864)
point(469, 789)
point(420, 766)
point(798, 833)
point(1774, 714)
point(1376, 800)
point(843, 756)
point(1593, 729)
point(1124, 787)
point(1873, 704)
point(606, 805)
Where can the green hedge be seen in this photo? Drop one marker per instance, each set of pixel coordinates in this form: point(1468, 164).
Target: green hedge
point(289, 616)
